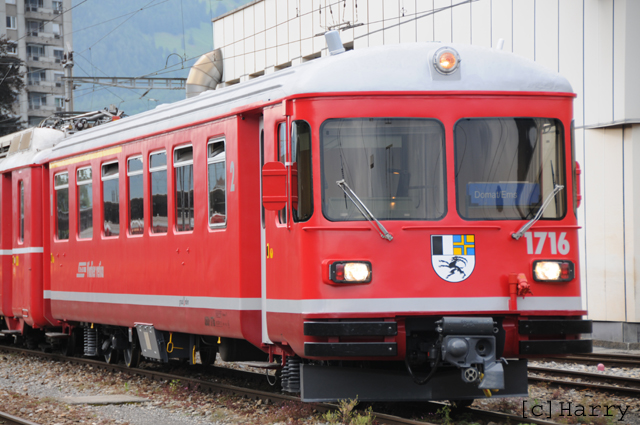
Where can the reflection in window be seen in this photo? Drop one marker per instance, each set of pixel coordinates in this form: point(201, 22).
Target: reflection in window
point(136, 193)
point(301, 194)
point(282, 157)
point(85, 204)
point(506, 167)
point(111, 199)
point(183, 164)
point(61, 186)
point(21, 236)
point(158, 171)
point(217, 174)
point(394, 165)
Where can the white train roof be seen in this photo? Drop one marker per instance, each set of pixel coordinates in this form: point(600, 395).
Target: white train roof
point(390, 68)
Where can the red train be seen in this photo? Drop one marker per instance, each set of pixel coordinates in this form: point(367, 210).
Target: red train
point(391, 223)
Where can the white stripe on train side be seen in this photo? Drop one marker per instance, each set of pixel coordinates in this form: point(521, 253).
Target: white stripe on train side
point(367, 305)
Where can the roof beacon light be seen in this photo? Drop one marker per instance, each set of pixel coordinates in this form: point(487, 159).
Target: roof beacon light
point(446, 60)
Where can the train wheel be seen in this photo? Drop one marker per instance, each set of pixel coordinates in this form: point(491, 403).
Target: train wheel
point(111, 356)
point(132, 355)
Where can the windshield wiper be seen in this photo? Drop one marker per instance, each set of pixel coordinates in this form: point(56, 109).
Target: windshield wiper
point(544, 206)
point(364, 210)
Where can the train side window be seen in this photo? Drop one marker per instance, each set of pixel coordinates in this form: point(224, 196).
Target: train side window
point(216, 160)
point(282, 157)
point(183, 168)
point(85, 203)
point(61, 187)
point(21, 236)
point(111, 199)
point(302, 204)
point(158, 172)
point(136, 196)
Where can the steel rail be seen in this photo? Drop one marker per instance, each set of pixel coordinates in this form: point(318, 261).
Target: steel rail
point(267, 397)
point(8, 419)
point(618, 360)
point(590, 385)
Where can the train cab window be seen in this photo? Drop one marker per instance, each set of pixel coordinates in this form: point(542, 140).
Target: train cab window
point(111, 199)
point(507, 167)
point(282, 157)
point(216, 165)
point(21, 235)
point(158, 172)
point(396, 166)
point(183, 165)
point(85, 203)
point(136, 196)
point(302, 207)
point(61, 188)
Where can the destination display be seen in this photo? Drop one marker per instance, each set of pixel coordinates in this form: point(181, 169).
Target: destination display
point(503, 194)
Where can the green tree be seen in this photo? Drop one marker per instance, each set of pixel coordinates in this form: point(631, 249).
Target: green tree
point(11, 83)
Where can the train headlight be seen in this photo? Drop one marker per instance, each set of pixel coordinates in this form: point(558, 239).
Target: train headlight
point(350, 272)
point(553, 271)
point(446, 60)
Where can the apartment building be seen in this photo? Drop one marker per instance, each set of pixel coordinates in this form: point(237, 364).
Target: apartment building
point(41, 30)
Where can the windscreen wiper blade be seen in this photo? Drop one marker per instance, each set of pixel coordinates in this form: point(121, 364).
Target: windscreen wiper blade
point(364, 210)
point(517, 235)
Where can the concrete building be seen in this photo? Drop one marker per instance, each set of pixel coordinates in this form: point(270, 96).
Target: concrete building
point(594, 43)
point(42, 31)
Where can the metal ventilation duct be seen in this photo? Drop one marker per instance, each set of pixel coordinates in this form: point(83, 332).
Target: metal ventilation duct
point(205, 74)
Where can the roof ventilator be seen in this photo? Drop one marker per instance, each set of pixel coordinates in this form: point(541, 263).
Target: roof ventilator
point(334, 43)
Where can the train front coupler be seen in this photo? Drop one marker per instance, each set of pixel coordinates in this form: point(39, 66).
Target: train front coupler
point(469, 344)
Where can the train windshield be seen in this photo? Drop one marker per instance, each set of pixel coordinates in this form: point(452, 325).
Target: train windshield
point(394, 165)
point(507, 167)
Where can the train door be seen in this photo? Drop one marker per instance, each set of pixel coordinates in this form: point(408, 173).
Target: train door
point(263, 243)
point(27, 246)
point(5, 246)
point(275, 231)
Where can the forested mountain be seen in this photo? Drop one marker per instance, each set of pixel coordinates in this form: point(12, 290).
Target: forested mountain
point(125, 38)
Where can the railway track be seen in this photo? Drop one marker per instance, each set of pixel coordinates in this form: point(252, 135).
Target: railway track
point(7, 419)
point(609, 360)
point(266, 396)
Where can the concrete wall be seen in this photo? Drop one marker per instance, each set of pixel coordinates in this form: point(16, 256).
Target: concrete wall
point(594, 43)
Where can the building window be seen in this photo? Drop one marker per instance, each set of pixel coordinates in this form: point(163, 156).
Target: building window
point(12, 47)
point(136, 196)
point(58, 55)
point(33, 28)
point(111, 199)
point(33, 5)
point(57, 7)
point(183, 164)
point(10, 2)
point(36, 100)
point(61, 186)
point(59, 103)
point(21, 236)
point(217, 183)
point(11, 23)
point(35, 51)
point(57, 30)
point(158, 172)
point(34, 78)
point(85, 203)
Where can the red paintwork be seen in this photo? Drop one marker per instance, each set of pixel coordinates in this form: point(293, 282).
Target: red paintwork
point(225, 262)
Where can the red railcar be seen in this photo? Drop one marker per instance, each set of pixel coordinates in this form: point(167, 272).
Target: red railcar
point(373, 224)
